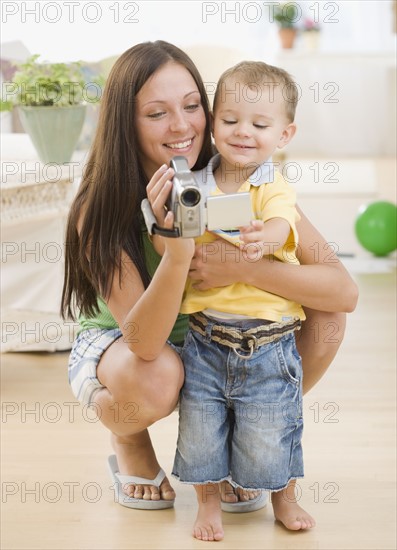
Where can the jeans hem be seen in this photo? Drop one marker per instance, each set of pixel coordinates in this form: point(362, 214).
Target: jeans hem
point(271, 489)
point(227, 478)
point(237, 485)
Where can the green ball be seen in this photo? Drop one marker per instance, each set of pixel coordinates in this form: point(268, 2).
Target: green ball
point(376, 227)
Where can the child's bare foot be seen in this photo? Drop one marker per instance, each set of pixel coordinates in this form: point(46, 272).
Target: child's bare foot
point(231, 494)
point(136, 457)
point(208, 525)
point(288, 511)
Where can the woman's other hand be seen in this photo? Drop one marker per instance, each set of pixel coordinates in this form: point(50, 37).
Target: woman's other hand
point(157, 191)
point(179, 249)
point(216, 264)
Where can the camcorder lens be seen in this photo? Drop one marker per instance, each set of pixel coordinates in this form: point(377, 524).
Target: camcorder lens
point(190, 197)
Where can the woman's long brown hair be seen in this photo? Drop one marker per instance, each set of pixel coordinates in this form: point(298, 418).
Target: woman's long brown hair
point(105, 217)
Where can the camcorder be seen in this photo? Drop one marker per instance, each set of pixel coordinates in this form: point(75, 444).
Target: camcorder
point(194, 209)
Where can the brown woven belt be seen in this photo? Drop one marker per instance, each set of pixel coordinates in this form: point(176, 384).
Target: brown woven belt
point(247, 340)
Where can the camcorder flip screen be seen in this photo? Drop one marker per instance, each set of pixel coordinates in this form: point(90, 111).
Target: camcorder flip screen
point(228, 211)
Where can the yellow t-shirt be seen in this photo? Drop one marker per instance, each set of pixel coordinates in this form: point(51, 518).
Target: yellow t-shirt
point(269, 200)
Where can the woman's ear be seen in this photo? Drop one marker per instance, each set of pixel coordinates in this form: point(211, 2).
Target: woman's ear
point(288, 133)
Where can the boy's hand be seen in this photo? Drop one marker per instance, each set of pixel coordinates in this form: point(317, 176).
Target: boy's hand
point(254, 236)
point(253, 232)
point(264, 238)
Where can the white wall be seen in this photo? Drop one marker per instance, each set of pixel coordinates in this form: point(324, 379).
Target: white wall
point(70, 30)
point(356, 54)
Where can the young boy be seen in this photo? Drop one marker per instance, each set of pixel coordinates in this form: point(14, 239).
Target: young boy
point(241, 403)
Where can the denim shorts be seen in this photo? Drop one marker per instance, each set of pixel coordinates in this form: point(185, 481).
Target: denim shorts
point(85, 355)
point(240, 418)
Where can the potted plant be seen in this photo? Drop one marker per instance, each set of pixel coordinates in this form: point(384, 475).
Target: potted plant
point(51, 100)
point(287, 16)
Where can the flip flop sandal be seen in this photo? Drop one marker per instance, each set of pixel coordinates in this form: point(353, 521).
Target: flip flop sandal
point(131, 502)
point(247, 506)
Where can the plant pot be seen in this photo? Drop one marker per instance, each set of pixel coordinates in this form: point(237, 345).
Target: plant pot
point(311, 41)
point(54, 131)
point(287, 37)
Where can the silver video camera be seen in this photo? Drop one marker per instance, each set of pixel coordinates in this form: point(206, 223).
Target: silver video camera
point(194, 211)
point(186, 200)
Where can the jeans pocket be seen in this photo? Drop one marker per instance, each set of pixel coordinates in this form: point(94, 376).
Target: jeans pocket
point(189, 345)
point(289, 360)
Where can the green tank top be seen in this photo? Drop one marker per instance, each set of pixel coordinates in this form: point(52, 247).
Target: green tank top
point(104, 319)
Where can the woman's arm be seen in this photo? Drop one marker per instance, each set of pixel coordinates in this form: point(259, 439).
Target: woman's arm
point(147, 316)
point(321, 282)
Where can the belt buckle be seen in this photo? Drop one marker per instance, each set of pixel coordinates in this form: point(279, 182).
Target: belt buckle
point(251, 348)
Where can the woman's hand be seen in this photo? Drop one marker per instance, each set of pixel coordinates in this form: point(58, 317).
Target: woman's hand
point(216, 264)
point(158, 189)
point(178, 249)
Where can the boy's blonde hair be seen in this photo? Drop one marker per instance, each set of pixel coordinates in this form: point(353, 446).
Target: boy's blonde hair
point(257, 73)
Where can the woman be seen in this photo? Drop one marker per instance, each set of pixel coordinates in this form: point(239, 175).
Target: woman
point(125, 360)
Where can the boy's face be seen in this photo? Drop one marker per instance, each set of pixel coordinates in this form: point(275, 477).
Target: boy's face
point(250, 124)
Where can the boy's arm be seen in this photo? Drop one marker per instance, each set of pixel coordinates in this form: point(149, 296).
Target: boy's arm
point(274, 205)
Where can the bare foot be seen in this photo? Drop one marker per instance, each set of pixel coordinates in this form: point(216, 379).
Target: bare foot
point(208, 525)
point(231, 494)
point(288, 511)
point(136, 457)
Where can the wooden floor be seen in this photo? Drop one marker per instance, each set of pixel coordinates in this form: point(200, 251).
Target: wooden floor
point(56, 493)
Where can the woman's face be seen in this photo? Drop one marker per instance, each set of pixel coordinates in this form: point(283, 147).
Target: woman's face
point(170, 118)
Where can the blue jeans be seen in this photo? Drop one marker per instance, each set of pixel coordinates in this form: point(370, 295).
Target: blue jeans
point(240, 418)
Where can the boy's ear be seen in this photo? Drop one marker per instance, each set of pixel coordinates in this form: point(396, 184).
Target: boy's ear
point(287, 135)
